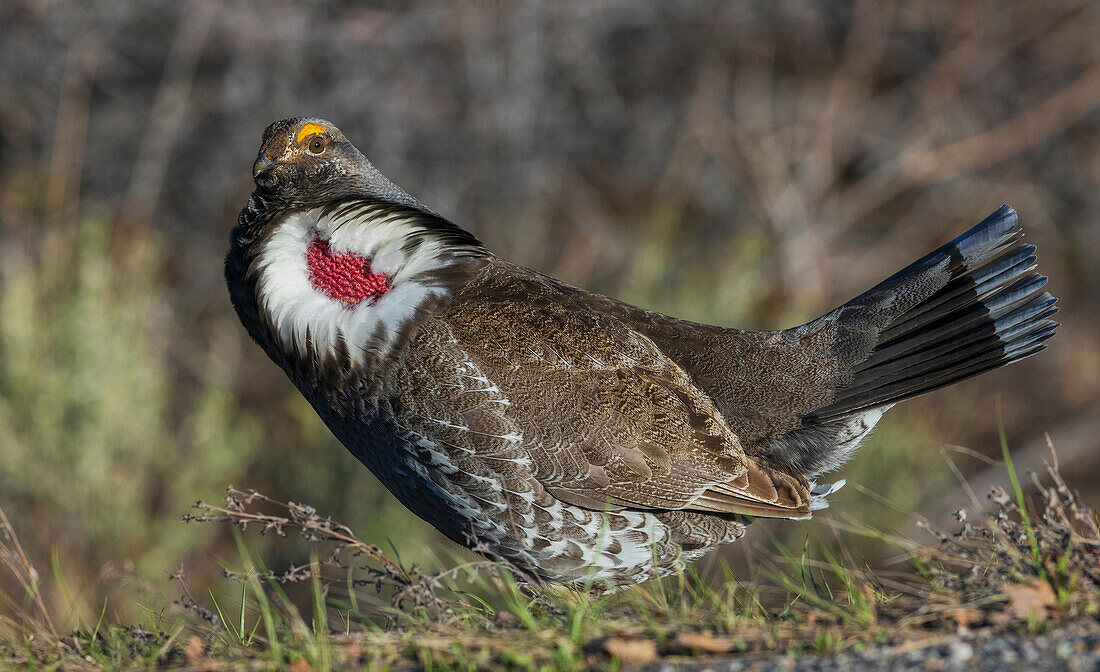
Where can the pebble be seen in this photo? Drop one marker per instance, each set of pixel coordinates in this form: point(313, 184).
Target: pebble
point(1075, 646)
point(961, 651)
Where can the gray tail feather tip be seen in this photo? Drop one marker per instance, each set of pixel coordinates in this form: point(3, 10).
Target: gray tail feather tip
point(984, 310)
point(818, 494)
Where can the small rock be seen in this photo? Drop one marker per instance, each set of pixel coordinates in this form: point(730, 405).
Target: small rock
point(628, 649)
point(301, 665)
point(700, 642)
point(194, 650)
point(961, 651)
point(1030, 653)
point(1030, 600)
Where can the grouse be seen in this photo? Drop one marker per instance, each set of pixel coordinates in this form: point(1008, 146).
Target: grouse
point(581, 439)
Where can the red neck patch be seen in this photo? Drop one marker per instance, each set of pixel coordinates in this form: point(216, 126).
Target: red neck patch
point(343, 277)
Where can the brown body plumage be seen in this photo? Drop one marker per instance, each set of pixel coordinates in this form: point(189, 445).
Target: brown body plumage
point(578, 437)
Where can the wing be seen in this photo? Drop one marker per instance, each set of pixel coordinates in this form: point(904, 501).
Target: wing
point(516, 372)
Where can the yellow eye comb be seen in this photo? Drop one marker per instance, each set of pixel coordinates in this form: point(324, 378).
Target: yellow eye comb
point(308, 130)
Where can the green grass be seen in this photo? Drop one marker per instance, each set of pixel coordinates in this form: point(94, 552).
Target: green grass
point(1018, 491)
point(115, 415)
point(101, 443)
point(363, 610)
point(118, 408)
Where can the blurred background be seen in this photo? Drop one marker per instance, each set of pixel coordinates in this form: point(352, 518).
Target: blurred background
point(746, 164)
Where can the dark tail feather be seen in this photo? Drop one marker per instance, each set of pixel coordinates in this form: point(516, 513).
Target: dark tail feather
point(970, 306)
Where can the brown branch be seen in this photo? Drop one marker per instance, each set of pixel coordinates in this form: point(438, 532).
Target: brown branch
point(1027, 129)
point(168, 112)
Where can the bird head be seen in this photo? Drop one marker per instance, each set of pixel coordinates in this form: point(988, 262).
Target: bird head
point(307, 161)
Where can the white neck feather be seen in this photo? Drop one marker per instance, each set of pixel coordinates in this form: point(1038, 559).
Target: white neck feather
point(298, 309)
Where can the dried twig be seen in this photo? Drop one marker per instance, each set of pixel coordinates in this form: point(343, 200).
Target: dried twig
point(412, 587)
point(15, 559)
point(188, 603)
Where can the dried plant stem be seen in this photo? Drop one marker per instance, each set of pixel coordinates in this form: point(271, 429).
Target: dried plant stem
point(301, 517)
point(15, 559)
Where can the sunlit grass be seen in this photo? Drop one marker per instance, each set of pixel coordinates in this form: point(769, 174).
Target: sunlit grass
point(115, 416)
point(818, 598)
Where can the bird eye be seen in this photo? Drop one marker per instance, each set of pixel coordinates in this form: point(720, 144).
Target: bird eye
point(317, 145)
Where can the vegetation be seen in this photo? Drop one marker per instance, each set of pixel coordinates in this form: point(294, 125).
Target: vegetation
point(1011, 570)
point(749, 164)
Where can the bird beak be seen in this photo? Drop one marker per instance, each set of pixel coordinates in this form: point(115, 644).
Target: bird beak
point(264, 165)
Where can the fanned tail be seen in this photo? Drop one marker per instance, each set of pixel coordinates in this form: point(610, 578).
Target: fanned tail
point(970, 306)
point(973, 305)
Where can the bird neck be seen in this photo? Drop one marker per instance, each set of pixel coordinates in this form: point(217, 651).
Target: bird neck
point(374, 182)
point(343, 287)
